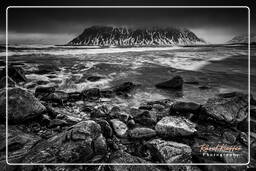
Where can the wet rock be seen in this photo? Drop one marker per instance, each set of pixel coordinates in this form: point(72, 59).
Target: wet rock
point(119, 127)
point(229, 137)
point(123, 157)
point(175, 83)
point(105, 127)
point(107, 93)
point(131, 123)
point(46, 69)
point(204, 87)
point(143, 117)
point(124, 88)
point(180, 106)
point(42, 91)
point(11, 83)
point(94, 78)
point(19, 143)
point(16, 73)
point(169, 151)
point(243, 138)
point(228, 108)
point(57, 122)
point(142, 132)
point(175, 126)
point(75, 96)
point(123, 116)
point(57, 97)
point(80, 143)
point(91, 94)
point(22, 105)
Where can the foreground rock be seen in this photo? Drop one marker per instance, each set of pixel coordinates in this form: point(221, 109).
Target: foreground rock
point(175, 126)
point(79, 144)
point(142, 132)
point(22, 105)
point(16, 73)
point(169, 151)
point(123, 157)
point(184, 107)
point(19, 143)
point(175, 83)
point(119, 127)
point(229, 108)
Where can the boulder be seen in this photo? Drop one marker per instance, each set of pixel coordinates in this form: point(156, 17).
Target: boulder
point(185, 107)
point(175, 83)
point(22, 105)
point(119, 127)
point(169, 151)
point(105, 127)
point(123, 157)
point(94, 78)
point(79, 144)
point(229, 108)
point(144, 117)
point(141, 132)
point(175, 126)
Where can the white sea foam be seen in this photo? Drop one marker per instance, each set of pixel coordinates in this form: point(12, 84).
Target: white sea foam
point(77, 51)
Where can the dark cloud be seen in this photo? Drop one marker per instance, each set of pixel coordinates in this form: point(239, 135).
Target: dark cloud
point(224, 22)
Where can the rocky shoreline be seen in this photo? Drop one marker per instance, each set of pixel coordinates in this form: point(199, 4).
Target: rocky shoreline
point(53, 126)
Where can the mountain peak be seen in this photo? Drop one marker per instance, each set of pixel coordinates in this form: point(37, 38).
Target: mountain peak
point(124, 36)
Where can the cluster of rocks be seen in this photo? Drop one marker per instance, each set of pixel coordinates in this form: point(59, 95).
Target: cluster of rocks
point(50, 126)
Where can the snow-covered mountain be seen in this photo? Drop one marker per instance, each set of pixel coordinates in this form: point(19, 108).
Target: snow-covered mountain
point(122, 36)
point(242, 39)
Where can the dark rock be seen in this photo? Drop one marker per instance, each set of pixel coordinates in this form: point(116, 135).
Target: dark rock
point(57, 122)
point(229, 137)
point(142, 132)
point(123, 157)
point(11, 83)
point(146, 118)
point(192, 82)
point(57, 97)
point(169, 151)
point(175, 83)
point(180, 106)
point(131, 123)
point(229, 108)
point(17, 74)
point(105, 127)
point(175, 126)
point(94, 78)
point(22, 105)
point(78, 144)
point(124, 88)
point(204, 87)
point(19, 143)
point(42, 91)
point(119, 127)
point(41, 82)
point(107, 93)
point(123, 116)
point(75, 96)
point(243, 138)
point(91, 94)
point(46, 69)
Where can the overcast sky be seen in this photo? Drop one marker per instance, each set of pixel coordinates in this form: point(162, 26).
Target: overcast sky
point(58, 26)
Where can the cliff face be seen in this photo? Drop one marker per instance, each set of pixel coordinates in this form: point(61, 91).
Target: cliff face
point(113, 36)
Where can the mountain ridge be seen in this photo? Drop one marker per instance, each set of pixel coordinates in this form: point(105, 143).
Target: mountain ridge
point(243, 39)
point(124, 36)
